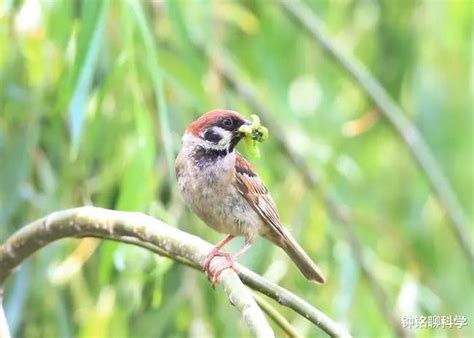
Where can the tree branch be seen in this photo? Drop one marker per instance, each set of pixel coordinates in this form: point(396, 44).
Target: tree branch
point(286, 298)
point(395, 116)
point(116, 224)
point(277, 317)
point(260, 284)
point(152, 234)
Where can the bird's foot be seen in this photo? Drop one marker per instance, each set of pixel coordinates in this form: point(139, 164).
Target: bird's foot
point(214, 271)
point(213, 253)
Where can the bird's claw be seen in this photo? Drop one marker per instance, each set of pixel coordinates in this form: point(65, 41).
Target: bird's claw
point(213, 272)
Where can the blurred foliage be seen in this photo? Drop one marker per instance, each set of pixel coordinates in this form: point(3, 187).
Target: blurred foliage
point(94, 97)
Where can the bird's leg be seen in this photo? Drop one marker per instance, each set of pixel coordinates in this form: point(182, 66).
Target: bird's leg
point(227, 262)
point(215, 252)
point(244, 248)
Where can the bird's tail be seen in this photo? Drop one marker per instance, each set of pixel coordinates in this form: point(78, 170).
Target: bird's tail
point(304, 263)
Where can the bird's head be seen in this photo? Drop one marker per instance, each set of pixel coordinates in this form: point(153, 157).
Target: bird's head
point(218, 129)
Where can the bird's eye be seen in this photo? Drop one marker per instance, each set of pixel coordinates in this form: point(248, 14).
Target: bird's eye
point(227, 122)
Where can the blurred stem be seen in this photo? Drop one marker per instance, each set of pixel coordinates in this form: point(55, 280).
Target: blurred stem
point(277, 317)
point(395, 116)
point(4, 330)
point(338, 212)
point(157, 236)
point(156, 76)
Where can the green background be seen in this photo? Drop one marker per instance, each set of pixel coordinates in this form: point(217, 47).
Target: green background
point(95, 95)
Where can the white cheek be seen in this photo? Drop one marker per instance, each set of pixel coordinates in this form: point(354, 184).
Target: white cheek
point(226, 138)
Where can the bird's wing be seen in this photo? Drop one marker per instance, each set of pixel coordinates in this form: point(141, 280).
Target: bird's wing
point(254, 191)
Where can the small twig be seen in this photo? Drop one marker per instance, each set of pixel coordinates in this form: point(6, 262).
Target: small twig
point(395, 116)
point(286, 298)
point(147, 232)
point(277, 317)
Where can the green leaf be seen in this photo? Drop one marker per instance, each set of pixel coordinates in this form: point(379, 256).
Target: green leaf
point(157, 82)
point(90, 40)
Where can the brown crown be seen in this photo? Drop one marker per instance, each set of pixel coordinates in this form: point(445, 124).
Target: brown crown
point(210, 119)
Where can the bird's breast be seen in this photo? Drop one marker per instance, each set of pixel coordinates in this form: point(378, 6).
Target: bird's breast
point(210, 193)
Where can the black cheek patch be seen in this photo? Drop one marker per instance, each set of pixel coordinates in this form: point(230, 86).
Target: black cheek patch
point(211, 136)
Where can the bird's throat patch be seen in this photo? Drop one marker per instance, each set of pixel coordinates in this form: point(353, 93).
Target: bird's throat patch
point(204, 157)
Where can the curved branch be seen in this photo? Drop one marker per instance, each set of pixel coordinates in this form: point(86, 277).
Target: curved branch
point(395, 116)
point(152, 234)
point(98, 222)
point(260, 284)
point(269, 289)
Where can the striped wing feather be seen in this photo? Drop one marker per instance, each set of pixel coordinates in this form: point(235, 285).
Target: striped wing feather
point(256, 194)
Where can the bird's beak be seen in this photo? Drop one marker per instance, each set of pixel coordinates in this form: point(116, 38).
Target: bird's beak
point(245, 127)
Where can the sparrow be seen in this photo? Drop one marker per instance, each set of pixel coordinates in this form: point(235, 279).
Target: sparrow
point(220, 187)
